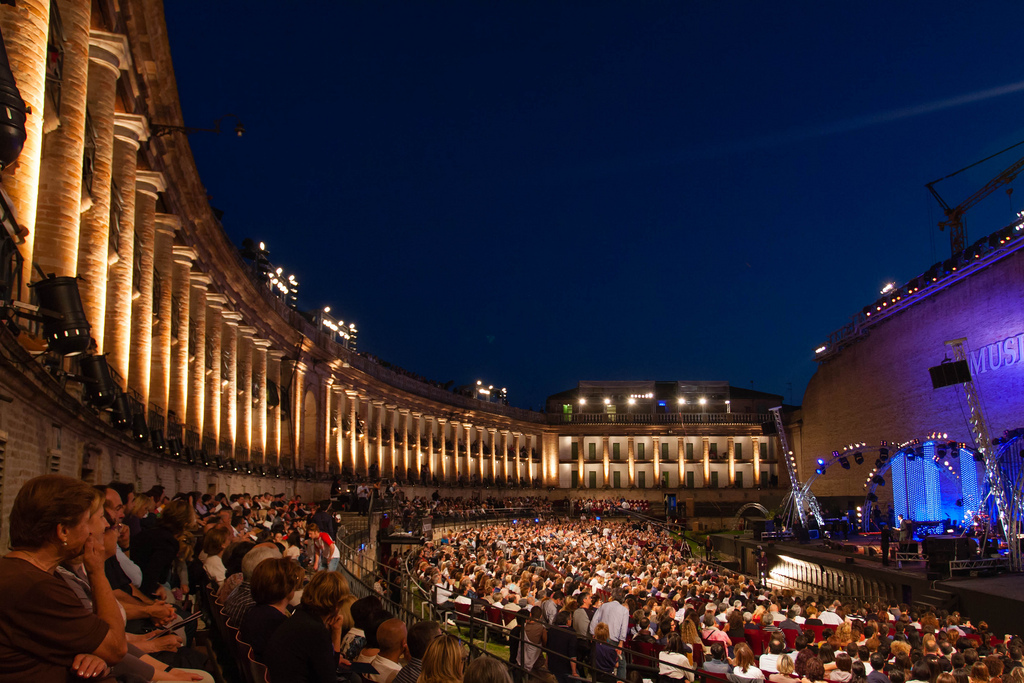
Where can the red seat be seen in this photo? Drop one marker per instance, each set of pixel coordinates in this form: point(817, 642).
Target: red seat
point(753, 639)
point(791, 634)
point(818, 631)
point(974, 638)
point(646, 654)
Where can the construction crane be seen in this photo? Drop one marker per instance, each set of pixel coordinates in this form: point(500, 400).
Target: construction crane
point(955, 215)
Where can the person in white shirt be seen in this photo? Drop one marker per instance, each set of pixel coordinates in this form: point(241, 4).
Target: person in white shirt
point(769, 660)
point(829, 616)
point(391, 637)
point(214, 543)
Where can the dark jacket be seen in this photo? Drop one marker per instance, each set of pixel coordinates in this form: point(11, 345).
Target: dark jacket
point(300, 651)
point(561, 640)
point(155, 551)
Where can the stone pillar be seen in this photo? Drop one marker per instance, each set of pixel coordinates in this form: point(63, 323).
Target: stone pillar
point(163, 302)
point(403, 455)
point(183, 257)
point(229, 383)
point(259, 403)
point(244, 395)
point(755, 446)
point(656, 445)
point(108, 55)
point(140, 360)
point(494, 454)
point(731, 450)
point(517, 445)
point(129, 129)
point(442, 458)
point(273, 450)
point(55, 246)
point(430, 446)
point(377, 418)
point(350, 397)
point(706, 454)
point(197, 352)
point(579, 454)
point(214, 391)
point(390, 464)
point(418, 448)
point(631, 458)
point(24, 29)
point(607, 459)
point(682, 461)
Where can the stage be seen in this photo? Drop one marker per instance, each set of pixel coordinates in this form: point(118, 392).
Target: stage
point(854, 568)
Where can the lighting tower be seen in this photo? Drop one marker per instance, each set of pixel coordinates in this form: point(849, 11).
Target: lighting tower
point(979, 430)
point(801, 500)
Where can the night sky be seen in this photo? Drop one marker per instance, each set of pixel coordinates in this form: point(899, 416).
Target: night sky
point(537, 193)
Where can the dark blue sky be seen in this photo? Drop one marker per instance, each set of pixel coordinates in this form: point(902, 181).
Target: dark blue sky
point(535, 193)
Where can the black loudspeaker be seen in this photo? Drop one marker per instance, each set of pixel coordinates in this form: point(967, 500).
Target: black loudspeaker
point(100, 389)
point(941, 550)
point(947, 374)
point(69, 334)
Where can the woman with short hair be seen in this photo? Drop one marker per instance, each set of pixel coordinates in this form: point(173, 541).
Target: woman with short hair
point(273, 585)
point(304, 648)
point(786, 669)
point(215, 542)
point(48, 634)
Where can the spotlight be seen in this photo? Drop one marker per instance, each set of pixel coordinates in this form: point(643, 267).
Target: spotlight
point(844, 462)
point(883, 453)
point(140, 430)
point(65, 327)
point(872, 498)
point(820, 470)
point(878, 463)
point(189, 455)
point(978, 457)
point(858, 458)
point(174, 447)
point(157, 436)
point(878, 480)
point(821, 461)
point(960, 503)
point(954, 449)
point(121, 413)
point(100, 389)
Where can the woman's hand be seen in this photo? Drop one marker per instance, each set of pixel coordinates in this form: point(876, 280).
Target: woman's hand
point(89, 666)
point(168, 643)
point(94, 555)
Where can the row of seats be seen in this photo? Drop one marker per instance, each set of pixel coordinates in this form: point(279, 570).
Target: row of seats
point(251, 670)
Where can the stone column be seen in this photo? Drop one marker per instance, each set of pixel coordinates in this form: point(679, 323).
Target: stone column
point(197, 352)
point(403, 423)
point(631, 460)
point(351, 397)
point(274, 413)
point(390, 468)
point(418, 449)
point(244, 395)
point(214, 391)
point(442, 458)
point(607, 459)
point(706, 452)
point(259, 380)
point(430, 446)
point(579, 454)
point(656, 445)
point(682, 461)
point(755, 445)
point(183, 257)
point(731, 450)
point(129, 129)
point(163, 303)
point(108, 55)
point(376, 420)
point(55, 245)
point(24, 29)
point(494, 454)
point(228, 385)
point(517, 445)
point(140, 359)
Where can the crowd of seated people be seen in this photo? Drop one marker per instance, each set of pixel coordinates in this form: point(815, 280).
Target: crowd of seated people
point(98, 585)
point(604, 506)
point(638, 597)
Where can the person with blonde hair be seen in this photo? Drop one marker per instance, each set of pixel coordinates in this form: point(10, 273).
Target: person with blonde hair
point(443, 661)
point(785, 666)
point(305, 646)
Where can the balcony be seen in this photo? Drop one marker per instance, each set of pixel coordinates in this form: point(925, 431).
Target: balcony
point(660, 418)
